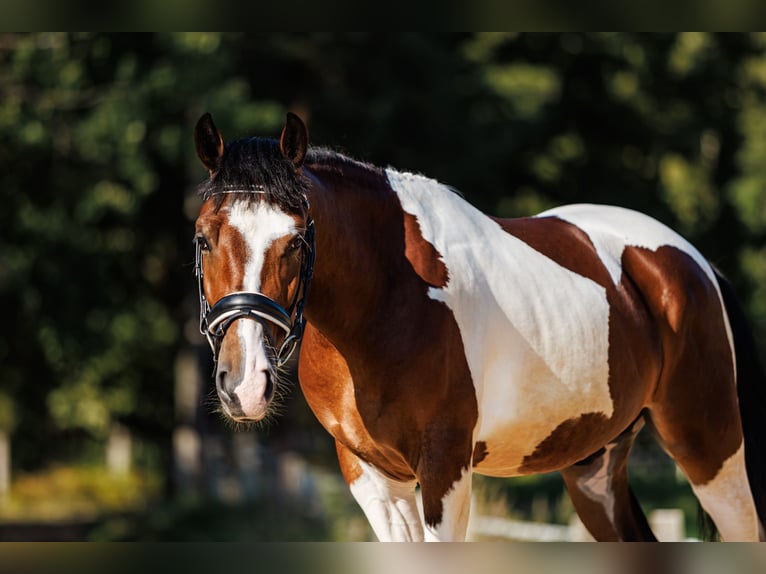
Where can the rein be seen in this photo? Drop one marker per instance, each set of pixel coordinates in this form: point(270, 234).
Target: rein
point(215, 321)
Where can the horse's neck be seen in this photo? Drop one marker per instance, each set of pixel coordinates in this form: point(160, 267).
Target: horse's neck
point(350, 269)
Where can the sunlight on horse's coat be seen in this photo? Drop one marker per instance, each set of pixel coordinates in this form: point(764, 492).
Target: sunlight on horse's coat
point(389, 505)
point(528, 379)
point(441, 341)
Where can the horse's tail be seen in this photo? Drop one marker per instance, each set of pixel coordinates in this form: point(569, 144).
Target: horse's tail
point(751, 390)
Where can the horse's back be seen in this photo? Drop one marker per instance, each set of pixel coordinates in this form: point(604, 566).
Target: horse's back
point(612, 229)
point(675, 280)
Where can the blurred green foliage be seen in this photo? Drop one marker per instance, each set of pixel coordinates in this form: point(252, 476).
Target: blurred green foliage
point(97, 172)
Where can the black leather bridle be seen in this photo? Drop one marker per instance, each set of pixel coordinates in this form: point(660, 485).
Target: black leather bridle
point(215, 321)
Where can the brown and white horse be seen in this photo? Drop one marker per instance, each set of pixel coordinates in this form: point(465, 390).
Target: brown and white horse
point(438, 341)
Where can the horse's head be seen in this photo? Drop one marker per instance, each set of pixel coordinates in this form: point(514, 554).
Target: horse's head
point(254, 239)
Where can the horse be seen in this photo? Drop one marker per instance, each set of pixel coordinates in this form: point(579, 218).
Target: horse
point(435, 341)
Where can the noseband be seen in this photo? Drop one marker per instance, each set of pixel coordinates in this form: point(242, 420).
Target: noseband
point(215, 321)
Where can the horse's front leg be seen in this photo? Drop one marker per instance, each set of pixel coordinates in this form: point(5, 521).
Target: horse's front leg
point(389, 505)
point(445, 475)
point(446, 510)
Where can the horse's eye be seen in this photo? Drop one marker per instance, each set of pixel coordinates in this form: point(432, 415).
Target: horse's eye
point(202, 242)
point(296, 243)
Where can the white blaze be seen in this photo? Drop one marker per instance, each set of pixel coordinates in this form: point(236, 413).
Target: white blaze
point(260, 225)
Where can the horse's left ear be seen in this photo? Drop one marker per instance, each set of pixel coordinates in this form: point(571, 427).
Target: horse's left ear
point(295, 139)
point(209, 143)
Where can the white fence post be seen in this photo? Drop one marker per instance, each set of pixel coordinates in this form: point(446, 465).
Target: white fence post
point(119, 450)
point(577, 530)
point(668, 524)
point(187, 442)
point(5, 466)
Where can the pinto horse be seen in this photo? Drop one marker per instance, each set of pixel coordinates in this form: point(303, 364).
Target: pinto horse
point(437, 341)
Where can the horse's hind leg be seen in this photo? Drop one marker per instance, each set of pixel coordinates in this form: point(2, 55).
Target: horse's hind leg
point(599, 489)
point(694, 405)
point(708, 447)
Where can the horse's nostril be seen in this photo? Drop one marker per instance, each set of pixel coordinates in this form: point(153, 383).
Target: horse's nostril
point(267, 394)
point(220, 381)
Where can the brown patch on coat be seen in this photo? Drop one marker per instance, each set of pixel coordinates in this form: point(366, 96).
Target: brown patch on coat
point(280, 276)
point(585, 433)
point(327, 385)
point(480, 452)
point(425, 259)
point(222, 264)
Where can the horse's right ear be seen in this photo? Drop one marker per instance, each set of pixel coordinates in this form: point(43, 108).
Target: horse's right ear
point(294, 140)
point(209, 143)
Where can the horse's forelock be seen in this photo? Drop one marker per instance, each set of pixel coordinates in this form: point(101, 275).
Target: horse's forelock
point(256, 165)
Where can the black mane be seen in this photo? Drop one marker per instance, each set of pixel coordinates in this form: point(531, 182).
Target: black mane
point(258, 165)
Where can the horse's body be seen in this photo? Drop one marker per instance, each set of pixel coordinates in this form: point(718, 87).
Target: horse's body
point(442, 342)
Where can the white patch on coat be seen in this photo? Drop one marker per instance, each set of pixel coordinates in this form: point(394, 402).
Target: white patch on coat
point(536, 335)
point(260, 224)
point(728, 500)
point(390, 506)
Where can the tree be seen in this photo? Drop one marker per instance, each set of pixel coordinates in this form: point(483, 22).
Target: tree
point(98, 173)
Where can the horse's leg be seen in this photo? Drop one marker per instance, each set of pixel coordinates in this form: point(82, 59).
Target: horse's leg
point(389, 505)
point(446, 512)
point(445, 475)
point(694, 405)
point(599, 489)
point(695, 412)
point(719, 482)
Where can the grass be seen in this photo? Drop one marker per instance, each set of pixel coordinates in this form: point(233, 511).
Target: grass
point(132, 507)
point(87, 503)
point(77, 492)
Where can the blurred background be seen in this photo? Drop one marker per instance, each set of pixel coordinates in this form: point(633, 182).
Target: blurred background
point(108, 429)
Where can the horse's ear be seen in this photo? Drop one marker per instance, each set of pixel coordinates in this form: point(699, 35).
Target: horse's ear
point(295, 139)
point(209, 143)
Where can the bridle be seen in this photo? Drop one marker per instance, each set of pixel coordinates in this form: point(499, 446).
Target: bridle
point(215, 321)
